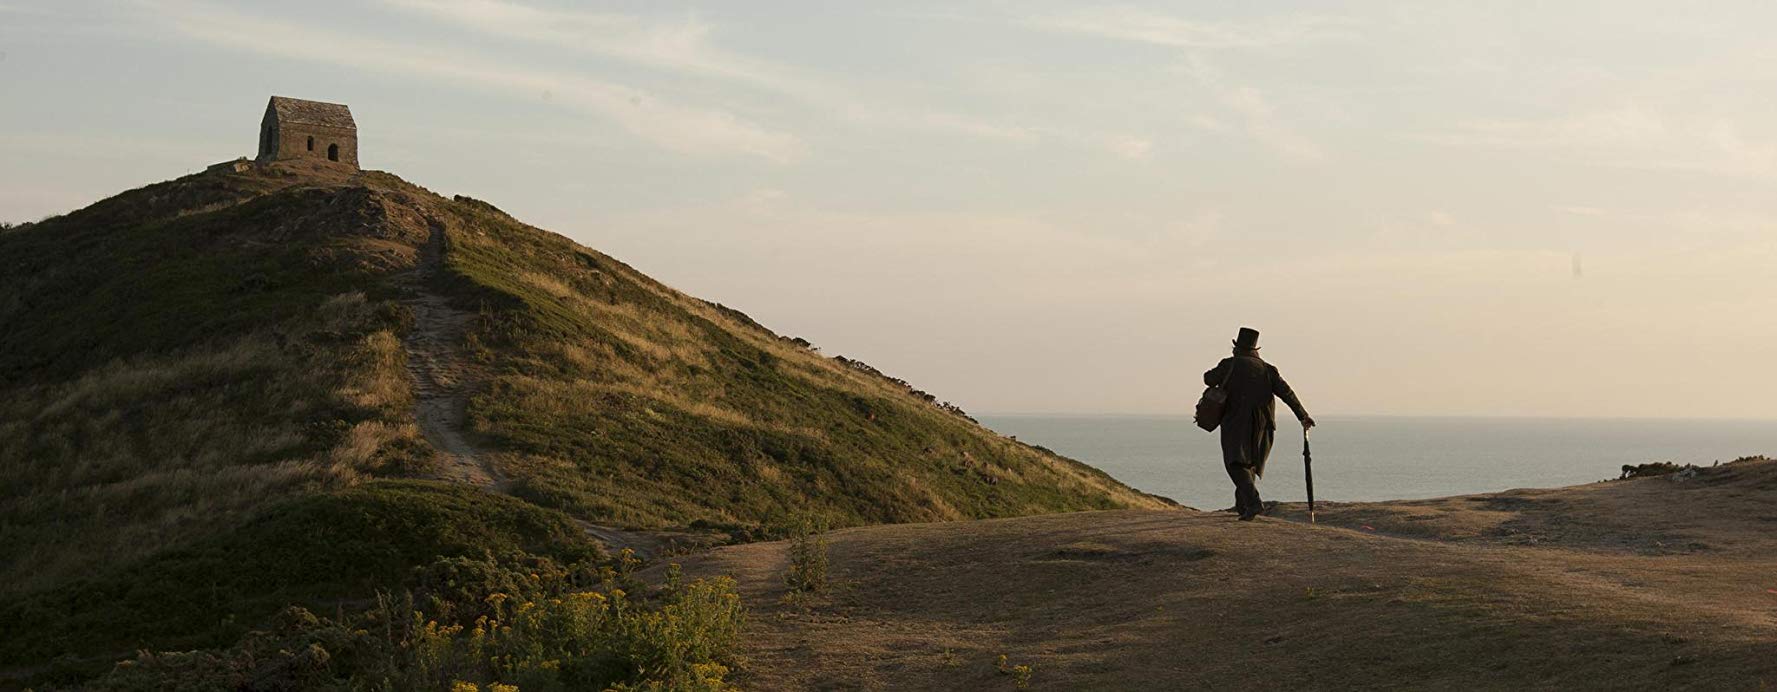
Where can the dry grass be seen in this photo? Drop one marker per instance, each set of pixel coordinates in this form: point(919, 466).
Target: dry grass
point(657, 337)
point(573, 399)
point(624, 401)
point(148, 452)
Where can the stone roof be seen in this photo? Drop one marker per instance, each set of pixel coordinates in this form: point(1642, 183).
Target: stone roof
point(299, 111)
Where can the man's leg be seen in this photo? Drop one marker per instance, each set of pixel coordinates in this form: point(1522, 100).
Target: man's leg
point(1246, 494)
point(1234, 474)
point(1239, 470)
point(1257, 456)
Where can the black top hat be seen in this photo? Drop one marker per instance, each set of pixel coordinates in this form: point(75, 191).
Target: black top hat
point(1249, 338)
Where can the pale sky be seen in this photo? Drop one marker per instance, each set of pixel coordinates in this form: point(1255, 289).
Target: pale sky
point(1562, 209)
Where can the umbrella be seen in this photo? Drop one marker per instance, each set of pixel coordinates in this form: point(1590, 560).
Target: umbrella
point(1308, 470)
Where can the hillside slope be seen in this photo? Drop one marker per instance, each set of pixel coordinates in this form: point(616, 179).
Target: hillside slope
point(1616, 585)
point(181, 355)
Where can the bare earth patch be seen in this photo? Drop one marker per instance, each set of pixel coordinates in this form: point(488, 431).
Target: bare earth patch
point(1439, 594)
point(441, 380)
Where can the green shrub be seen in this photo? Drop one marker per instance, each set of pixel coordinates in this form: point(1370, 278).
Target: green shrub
point(312, 551)
point(1658, 468)
point(808, 558)
point(682, 637)
point(484, 611)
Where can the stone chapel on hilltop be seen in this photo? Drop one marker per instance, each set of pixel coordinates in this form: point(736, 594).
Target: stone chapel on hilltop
point(294, 129)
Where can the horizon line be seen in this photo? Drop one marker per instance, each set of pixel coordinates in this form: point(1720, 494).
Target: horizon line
point(1497, 416)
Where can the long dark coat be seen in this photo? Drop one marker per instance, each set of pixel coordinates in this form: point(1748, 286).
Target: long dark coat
point(1249, 421)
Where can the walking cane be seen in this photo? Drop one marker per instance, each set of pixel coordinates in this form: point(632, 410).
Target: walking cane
point(1308, 470)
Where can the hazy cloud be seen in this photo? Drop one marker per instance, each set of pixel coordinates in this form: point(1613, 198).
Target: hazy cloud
point(1628, 126)
point(682, 43)
point(679, 44)
point(1133, 148)
point(1626, 137)
point(672, 126)
point(1258, 119)
point(1263, 125)
point(1146, 26)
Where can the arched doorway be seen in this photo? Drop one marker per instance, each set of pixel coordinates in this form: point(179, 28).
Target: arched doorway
point(333, 152)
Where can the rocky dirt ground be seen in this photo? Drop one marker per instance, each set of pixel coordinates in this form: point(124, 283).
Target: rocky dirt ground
point(1644, 583)
point(442, 378)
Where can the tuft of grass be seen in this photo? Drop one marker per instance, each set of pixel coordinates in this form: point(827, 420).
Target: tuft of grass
point(1020, 673)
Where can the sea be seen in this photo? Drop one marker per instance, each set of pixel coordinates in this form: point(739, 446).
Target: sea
point(1367, 458)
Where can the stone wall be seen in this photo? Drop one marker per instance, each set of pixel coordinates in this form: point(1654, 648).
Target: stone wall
point(292, 141)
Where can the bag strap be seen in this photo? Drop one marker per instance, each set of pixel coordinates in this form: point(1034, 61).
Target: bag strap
point(1229, 376)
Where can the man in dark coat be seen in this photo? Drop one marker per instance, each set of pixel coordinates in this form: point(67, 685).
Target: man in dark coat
point(1249, 419)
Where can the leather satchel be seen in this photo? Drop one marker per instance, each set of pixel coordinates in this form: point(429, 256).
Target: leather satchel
point(1213, 402)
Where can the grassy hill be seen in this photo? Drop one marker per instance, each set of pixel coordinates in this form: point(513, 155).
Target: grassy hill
point(184, 361)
